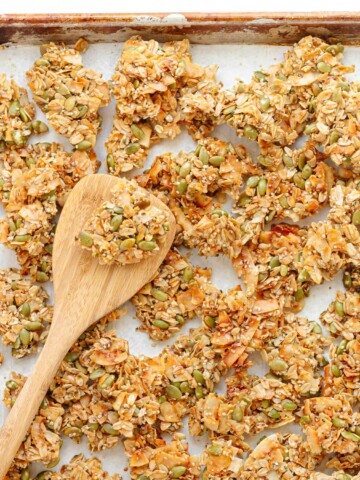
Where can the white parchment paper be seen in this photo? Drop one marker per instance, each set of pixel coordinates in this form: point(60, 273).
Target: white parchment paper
point(235, 61)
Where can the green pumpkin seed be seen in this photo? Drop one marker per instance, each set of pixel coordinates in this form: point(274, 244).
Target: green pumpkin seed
point(23, 115)
point(82, 111)
point(284, 269)
point(25, 309)
point(304, 420)
point(93, 427)
point(278, 365)
point(39, 127)
point(12, 226)
point(344, 86)
point(177, 472)
point(334, 137)
point(127, 244)
point(350, 436)
point(53, 463)
point(337, 96)
point(199, 393)
point(299, 181)
point(160, 324)
point(84, 145)
point(342, 347)
point(299, 294)
point(335, 370)
point(132, 148)
point(108, 428)
point(18, 138)
point(262, 186)
point(250, 132)
point(260, 76)
point(97, 373)
point(306, 172)
point(210, 321)
point(262, 276)
point(204, 156)
point(270, 217)
point(339, 308)
point(162, 399)
point(316, 328)
point(181, 187)
point(25, 475)
point(188, 274)
point(289, 406)
point(309, 129)
point(159, 294)
point(253, 181)
point(215, 450)
point(274, 414)
point(147, 246)
point(304, 276)
point(274, 262)
point(244, 200)
point(199, 377)
point(237, 414)
point(34, 326)
point(288, 161)
point(70, 357)
point(63, 90)
point(108, 381)
point(333, 328)
point(137, 131)
point(180, 319)
point(173, 392)
point(115, 223)
point(265, 161)
point(216, 160)
point(69, 104)
point(356, 218)
point(338, 422)
point(347, 281)
point(264, 103)
point(229, 110)
point(14, 109)
point(301, 161)
point(185, 387)
point(25, 337)
point(42, 62)
point(143, 477)
point(42, 277)
point(110, 161)
point(219, 212)
point(19, 223)
point(323, 67)
point(185, 169)
point(265, 404)
point(11, 385)
point(86, 239)
point(335, 49)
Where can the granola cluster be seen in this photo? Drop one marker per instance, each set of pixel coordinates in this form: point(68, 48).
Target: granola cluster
point(157, 89)
point(125, 229)
point(224, 203)
point(68, 93)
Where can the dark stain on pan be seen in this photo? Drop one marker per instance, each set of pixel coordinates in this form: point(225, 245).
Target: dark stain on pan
point(260, 28)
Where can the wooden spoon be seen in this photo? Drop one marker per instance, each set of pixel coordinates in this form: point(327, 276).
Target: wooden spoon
point(84, 292)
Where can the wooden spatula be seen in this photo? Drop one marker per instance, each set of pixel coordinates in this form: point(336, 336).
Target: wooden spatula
point(84, 292)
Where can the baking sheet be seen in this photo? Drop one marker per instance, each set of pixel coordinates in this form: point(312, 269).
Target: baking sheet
point(235, 61)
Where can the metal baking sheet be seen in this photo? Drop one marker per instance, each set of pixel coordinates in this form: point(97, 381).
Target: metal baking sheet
point(235, 61)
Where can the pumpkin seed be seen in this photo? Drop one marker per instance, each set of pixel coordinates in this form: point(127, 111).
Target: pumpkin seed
point(309, 129)
point(306, 172)
point(23, 115)
point(356, 218)
point(108, 428)
point(350, 436)
point(42, 62)
point(237, 414)
point(278, 365)
point(180, 319)
point(289, 406)
point(73, 432)
point(199, 377)
point(84, 145)
point(132, 148)
point(335, 370)
point(25, 337)
point(137, 131)
point(334, 137)
point(299, 294)
point(288, 161)
point(42, 277)
point(127, 244)
point(316, 328)
point(173, 392)
point(160, 324)
point(185, 169)
point(253, 181)
point(25, 309)
point(14, 109)
point(106, 381)
point(260, 76)
point(110, 161)
point(339, 308)
point(11, 385)
point(181, 187)
point(86, 239)
point(82, 110)
point(69, 104)
point(323, 67)
point(274, 414)
point(210, 321)
point(70, 357)
point(93, 427)
point(347, 281)
point(159, 294)
point(215, 450)
point(338, 422)
point(262, 186)
point(53, 463)
point(250, 132)
point(177, 472)
point(219, 212)
point(284, 269)
point(274, 262)
point(204, 156)
point(303, 276)
point(264, 103)
point(229, 110)
point(342, 347)
point(115, 223)
point(25, 475)
point(147, 246)
point(199, 393)
point(299, 181)
point(97, 373)
point(185, 387)
point(216, 160)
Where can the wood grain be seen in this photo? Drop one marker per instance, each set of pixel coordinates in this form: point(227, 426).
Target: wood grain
point(84, 292)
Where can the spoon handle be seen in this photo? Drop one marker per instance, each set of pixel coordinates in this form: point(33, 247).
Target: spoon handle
point(29, 400)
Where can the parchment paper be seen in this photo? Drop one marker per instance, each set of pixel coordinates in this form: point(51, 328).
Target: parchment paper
point(235, 61)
